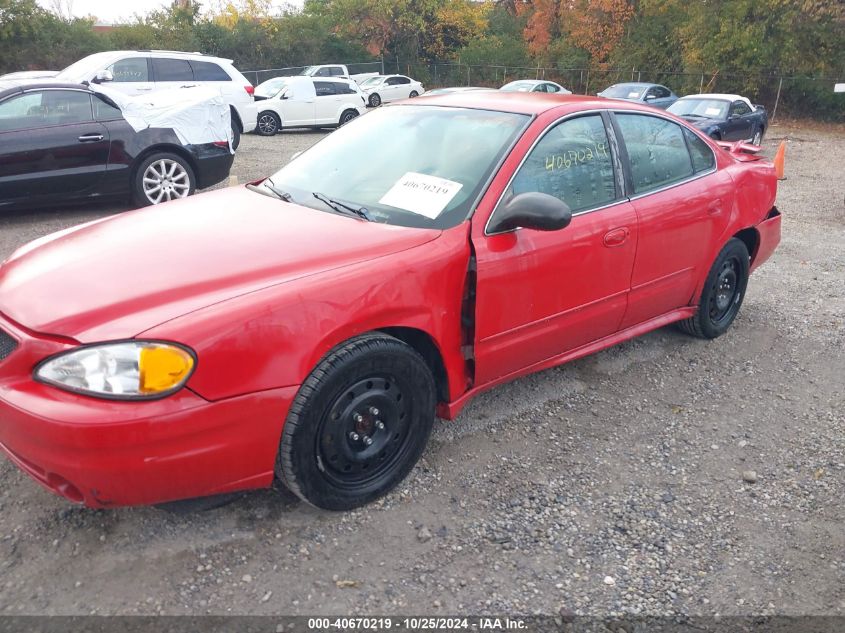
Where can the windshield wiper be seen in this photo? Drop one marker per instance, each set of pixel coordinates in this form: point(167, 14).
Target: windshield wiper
point(269, 188)
point(342, 207)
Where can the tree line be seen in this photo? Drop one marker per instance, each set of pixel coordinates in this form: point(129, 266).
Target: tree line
point(736, 45)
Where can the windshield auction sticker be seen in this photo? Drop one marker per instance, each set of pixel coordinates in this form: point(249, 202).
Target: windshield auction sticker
point(421, 194)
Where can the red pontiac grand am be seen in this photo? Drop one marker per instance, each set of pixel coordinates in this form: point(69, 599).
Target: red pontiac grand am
point(308, 327)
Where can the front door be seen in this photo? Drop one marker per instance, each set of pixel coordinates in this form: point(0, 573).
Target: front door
point(131, 76)
point(50, 145)
point(541, 294)
point(738, 127)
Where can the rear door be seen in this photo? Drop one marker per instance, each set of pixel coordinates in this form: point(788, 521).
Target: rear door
point(50, 145)
point(170, 72)
point(682, 203)
point(327, 102)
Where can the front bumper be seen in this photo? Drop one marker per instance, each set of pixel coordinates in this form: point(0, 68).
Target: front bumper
point(112, 453)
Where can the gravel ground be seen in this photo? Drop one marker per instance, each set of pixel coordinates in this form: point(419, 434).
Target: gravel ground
point(663, 476)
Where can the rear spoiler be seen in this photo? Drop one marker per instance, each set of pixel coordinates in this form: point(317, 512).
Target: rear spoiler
point(739, 147)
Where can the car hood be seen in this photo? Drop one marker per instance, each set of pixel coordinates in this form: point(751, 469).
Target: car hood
point(119, 276)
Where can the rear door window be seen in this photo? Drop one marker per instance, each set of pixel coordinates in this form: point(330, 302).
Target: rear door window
point(657, 151)
point(167, 69)
point(324, 88)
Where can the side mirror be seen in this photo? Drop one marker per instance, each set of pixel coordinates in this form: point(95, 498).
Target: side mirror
point(650, 97)
point(103, 75)
point(532, 210)
point(284, 94)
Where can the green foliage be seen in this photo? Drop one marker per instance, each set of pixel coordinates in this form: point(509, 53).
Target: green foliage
point(723, 45)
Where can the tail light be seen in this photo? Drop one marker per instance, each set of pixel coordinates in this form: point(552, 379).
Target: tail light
point(223, 144)
point(250, 89)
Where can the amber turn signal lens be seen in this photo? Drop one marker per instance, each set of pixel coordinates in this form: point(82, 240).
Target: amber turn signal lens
point(162, 368)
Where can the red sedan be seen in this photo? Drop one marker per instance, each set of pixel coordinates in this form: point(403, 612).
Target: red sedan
point(309, 327)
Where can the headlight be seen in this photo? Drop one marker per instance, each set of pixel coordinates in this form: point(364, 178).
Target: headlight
point(129, 370)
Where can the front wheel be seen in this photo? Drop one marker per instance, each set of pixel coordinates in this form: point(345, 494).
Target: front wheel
point(162, 177)
point(347, 116)
point(723, 293)
point(358, 424)
point(375, 100)
point(758, 137)
point(268, 123)
point(413, 94)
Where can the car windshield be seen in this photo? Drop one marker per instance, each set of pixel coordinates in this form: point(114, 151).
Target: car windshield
point(372, 81)
point(519, 86)
point(624, 91)
point(704, 108)
point(270, 87)
point(308, 70)
point(407, 165)
point(86, 66)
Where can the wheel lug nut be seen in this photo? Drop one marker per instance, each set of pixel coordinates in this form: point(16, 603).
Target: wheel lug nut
point(354, 436)
point(373, 411)
point(368, 440)
point(357, 417)
point(379, 425)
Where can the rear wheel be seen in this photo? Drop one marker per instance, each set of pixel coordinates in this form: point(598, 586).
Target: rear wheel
point(723, 293)
point(268, 123)
point(375, 100)
point(758, 136)
point(162, 177)
point(358, 424)
point(413, 94)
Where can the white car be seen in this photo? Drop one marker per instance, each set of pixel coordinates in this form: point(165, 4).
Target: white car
point(383, 88)
point(300, 101)
point(140, 72)
point(30, 74)
point(535, 85)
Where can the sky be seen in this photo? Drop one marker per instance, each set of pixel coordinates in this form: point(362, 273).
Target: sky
point(124, 10)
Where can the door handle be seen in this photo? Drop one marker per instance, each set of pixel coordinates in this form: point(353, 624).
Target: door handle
point(89, 138)
point(146, 89)
point(616, 237)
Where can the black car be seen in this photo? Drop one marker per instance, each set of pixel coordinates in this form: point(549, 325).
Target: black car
point(724, 117)
point(64, 142)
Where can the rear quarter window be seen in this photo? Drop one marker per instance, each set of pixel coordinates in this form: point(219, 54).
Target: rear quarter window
point(209, 71)
point(703, 158)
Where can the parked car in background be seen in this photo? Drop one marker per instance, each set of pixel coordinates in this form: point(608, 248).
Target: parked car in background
point(338, 71)
point(30, 74)
point(654, 95)
point(291, 102)
point(307, 328)
point(386, 88)
point(445, 91)
point(535, 85)
point(63, 142)
point(140, 72)
point(724, 117)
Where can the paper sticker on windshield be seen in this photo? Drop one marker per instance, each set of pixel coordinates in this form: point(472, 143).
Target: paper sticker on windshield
point(633, 95)
point(421, 194)
point(713, 111)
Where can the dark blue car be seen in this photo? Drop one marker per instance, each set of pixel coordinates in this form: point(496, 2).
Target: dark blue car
point(650, 94)
point(724, 117)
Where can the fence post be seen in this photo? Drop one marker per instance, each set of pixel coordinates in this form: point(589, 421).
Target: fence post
point(587, 87)
point(701, 84)
point(777, 99)
point(632, 72)
point(468, 71)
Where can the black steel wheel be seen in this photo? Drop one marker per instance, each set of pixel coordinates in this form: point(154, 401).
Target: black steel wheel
point(358, 424)
point(723, 292)
point(375, 100)
point(268, 123)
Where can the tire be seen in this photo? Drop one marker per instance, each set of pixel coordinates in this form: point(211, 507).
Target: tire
point(375, 100)
point(758, 137)
point(413, 94)
point(269, 123)
point(723, 293)
point(347, 116)
point(236, 134)
point(162, 177)
point(373, 388)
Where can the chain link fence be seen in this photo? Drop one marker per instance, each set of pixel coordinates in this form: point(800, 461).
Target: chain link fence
point(780, 94)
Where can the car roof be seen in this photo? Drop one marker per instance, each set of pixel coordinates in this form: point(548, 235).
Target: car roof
point(14, 86)
point(717, 95)
point(532, 103)
point(637, 84)
point(530, 81)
